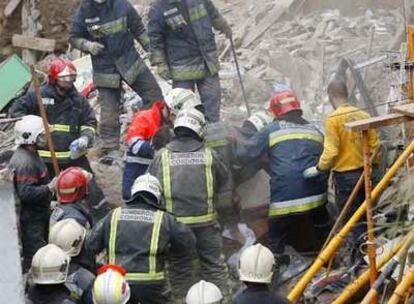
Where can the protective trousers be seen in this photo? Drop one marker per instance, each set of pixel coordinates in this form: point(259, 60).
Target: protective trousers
point(131, 172)
point(210, 94)
point(110, 99)
point(96, 201)
point(151, 293)
point(211, 263)
point(34, 227)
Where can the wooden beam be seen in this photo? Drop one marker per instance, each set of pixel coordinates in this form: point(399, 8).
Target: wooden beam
point(33, 43)
point(11, 7)
point(406, 109)
point(376, 122)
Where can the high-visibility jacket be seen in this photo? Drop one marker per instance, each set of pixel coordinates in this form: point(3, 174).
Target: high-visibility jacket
point(114, 24)
point(291, 148)
point(183, 37)
point(195, 181)
point(70, 117)
point(137, 238)
point(343, 148)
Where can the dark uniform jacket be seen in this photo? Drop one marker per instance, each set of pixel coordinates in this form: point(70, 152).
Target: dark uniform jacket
point(30, 179)
point(181, 35)
point(195, 181)
point(114, 24)
point(259, 294)
point(76, 211)
point(291, 148)
point(69, 117)
point(51, 294)
point(137, 238)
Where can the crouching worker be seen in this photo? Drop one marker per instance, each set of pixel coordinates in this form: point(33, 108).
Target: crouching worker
point(32, 186)
point(256, 268)
point(110, 286)
point(50, 267)
point(137, 238)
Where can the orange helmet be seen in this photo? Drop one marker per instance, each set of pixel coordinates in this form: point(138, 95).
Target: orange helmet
point(283, 102)
point(72, 185)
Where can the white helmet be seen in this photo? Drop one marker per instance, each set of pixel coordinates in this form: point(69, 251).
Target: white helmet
point(191, 119)
point(179, 99)
point(260, 119)
point(28, 129)
point(256, 264)
point(203, 293)
point(147, 183)
point(110, 287)
point(50, 265)
point(69, 235)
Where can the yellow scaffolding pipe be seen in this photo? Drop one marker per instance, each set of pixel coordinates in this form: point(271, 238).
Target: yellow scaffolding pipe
point(331, 248)
point(403, 287)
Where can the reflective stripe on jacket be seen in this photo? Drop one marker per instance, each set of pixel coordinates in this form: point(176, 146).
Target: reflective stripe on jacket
point(195, 182)
point(184, 39)
point(137, 237)
point(291, 149)
point(70, 117)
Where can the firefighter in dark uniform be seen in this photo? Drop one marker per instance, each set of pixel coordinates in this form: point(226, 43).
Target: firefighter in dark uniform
point(33, 189)
point(183, 47)
point(72, 121)
point(106, 29)
point(137, 237)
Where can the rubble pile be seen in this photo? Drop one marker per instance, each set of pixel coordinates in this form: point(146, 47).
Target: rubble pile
point(304, 49)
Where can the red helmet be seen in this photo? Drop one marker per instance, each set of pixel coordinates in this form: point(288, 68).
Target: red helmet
point(71, 185)
point(283, 102)
point(60, 68)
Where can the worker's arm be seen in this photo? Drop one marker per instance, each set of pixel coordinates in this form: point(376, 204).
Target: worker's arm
point(88, 121)
point(155, 167)
point(25, 105)
point(254, 148)
point(156, 30)
point(97, 239)
point(27, 182)
point(219, 23)
point(223, 184)
point(330, 146)
point(182, 239)
point(136, 27)
point(79, 36)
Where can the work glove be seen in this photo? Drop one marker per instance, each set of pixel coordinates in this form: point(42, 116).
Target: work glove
point(52, 185)
point(94, 48)
point(164, 71)
point(78, 147)
point(311, 172)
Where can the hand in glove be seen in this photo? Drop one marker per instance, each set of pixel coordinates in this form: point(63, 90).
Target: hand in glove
point(78, 147)
point(94, 48)
point(52, 185)
point(164, 71)
point(311, 172)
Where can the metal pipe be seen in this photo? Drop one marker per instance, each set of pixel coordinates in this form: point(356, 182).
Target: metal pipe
point(369, 204)
point(42, 112)
point(402, 288)
point(326, 254)
point(363, 279)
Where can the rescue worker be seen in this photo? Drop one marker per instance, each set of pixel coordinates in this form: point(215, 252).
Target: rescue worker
point(256, 267)
point(49, 272)
point(140, 133)
point(149, 131)
point(69, 235)
point(137, 238)
point(291, 144)
point(106, 29)
point(205, 293)
point(32, 185)
point(72, 121)
point(110, 286)
point(343, 154)
point(196, 185)
point(72, 191)
point(184, 50)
